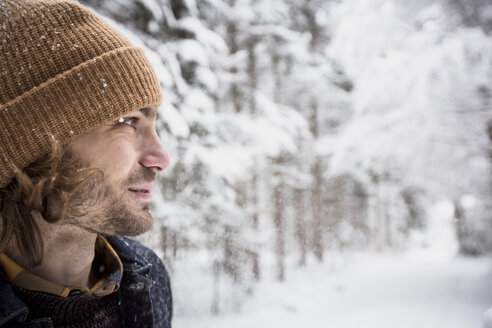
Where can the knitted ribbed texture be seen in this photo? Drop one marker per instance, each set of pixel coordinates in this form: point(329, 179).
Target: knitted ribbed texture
point(63, 72)
point(81, 311)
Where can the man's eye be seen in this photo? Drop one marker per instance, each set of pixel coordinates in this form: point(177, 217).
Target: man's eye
point(130, 121)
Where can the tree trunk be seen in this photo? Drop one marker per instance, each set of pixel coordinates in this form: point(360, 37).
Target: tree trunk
point(252, 74)
point(387, 204)
point(318, 229)
point(254, 201)
point(278, 218)
point(299, 209)
point(316, 189)
point(215, 307)
point(232, 42)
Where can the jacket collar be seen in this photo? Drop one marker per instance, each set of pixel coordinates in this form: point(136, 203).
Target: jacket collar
point(131, 260)
point(14, 308)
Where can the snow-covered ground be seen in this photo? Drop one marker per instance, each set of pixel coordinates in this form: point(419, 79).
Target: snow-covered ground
point(372, 291)
point(426, 287)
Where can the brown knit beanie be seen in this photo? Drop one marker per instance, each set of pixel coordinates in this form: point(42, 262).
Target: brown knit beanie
point(63, 72)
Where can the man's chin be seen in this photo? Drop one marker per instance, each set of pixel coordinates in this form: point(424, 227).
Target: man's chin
point(135, 218)
point(140, 228)
point(137, 223)
point(118, 227)
point(127, 221)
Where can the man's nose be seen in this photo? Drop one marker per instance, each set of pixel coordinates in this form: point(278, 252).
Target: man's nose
point(154, 155)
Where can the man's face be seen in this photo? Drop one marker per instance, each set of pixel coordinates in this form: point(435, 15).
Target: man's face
point(129, 153)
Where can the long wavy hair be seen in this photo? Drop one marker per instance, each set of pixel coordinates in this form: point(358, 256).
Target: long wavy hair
point(39, 191)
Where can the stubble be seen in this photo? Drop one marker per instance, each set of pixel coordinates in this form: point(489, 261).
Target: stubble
point(101, 207)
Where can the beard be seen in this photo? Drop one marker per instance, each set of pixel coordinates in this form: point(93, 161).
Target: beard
point(104, 207)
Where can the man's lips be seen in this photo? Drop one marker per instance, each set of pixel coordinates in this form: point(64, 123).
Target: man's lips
point(142, 190)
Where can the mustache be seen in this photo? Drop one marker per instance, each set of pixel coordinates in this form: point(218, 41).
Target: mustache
point(142, 175)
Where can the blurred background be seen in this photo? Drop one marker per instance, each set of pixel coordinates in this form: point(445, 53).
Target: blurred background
point(331, 159)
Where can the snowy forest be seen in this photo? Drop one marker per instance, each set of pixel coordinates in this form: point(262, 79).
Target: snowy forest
point(304, 134)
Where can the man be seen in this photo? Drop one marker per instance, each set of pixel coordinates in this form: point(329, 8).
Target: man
point(79, 154)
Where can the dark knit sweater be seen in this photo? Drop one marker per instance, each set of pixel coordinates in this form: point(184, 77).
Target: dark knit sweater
point(79, 311)
point(144, 293)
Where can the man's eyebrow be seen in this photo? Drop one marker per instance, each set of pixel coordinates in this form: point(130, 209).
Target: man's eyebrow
point(150, 112)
